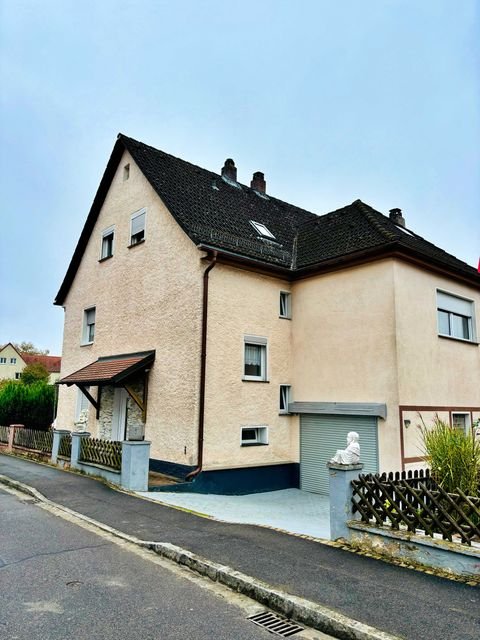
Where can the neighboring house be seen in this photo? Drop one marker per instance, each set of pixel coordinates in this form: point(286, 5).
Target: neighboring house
point(13, 362)
point(51, 363)
point(244, 336)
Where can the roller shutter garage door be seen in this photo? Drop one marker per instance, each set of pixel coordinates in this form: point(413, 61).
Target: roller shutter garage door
point(322, 435)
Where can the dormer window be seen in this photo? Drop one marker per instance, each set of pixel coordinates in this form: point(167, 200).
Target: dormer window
point(262, 230)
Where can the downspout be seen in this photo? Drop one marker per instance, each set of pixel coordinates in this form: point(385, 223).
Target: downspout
point(203, 367)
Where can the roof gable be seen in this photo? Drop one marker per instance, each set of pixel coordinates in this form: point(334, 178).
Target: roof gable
point(217, 213)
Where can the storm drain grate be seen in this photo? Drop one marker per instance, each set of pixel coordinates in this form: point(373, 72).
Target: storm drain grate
point(275, 624)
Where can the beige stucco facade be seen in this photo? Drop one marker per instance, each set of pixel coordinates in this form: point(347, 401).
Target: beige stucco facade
point(364, 334)
point(146, 297)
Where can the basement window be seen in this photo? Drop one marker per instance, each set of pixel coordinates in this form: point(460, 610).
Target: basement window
point(262, 230)
point(251, 436)
point(461, 421)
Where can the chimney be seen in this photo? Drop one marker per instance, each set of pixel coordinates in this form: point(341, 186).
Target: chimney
point(396, 217)
point(258, 182)
point(229, 170)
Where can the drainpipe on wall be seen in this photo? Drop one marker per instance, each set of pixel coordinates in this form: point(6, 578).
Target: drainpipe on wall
point(203, 367)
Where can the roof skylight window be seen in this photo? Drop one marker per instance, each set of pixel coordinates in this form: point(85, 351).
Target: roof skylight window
point(262, 230)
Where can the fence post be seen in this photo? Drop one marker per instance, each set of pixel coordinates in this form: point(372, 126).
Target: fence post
point(341, 476)
point(135, 464)
point(57, 436)
point(76, 442)
point(11, 435)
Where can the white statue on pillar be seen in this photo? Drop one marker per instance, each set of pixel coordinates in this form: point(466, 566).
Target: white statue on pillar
point(81, 423)
point(350, 455)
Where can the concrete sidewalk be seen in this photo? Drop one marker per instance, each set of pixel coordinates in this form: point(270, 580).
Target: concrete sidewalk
point(397, 600)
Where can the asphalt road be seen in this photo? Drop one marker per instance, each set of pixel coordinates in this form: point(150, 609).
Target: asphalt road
point(59, 581)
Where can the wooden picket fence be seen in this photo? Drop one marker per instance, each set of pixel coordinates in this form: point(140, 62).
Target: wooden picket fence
point(104, 452)
point(34, 440)
point(414, 502)
point(65, 446)
point(4, 431)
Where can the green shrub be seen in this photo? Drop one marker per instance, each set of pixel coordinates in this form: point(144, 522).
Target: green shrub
point(453, 456)
point(32, 405)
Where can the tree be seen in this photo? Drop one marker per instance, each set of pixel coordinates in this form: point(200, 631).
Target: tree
point(35, 372)
point(32, 405)
point(31, 349)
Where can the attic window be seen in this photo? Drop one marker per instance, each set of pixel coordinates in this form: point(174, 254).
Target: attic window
point(262, 229)
point(126, 172)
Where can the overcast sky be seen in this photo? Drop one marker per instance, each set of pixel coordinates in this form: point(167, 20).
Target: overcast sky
point(332, 100)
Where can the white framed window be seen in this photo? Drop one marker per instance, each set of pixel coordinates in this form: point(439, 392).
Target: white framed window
point(262, 230)
point(462, 422)
point(253, 436)
point(285, 304)
point(285, 392)
point(108, 237)
point(18, 375)
point(456, 316)
point(13, 361)
point(3, 361)
point(82, 403)
point(88, 334)
point(126, 172)
point(137, 227)
point(255, 358)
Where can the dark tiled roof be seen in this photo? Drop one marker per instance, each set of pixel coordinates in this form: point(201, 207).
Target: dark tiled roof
point(51, 363)
point(216, 213)
point(110, 369)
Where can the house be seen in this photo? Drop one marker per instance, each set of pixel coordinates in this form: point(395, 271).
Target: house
point(13, 362)
point(245, 337)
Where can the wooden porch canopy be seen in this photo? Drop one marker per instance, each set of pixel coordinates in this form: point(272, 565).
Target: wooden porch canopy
point(115, 371)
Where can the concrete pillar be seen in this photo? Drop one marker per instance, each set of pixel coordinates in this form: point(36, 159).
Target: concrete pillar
point(341, 476)
point(135, 464)
point(57, 435)
point(76, 441)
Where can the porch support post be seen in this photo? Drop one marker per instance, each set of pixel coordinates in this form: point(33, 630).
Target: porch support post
point(76, 442)
point(341, 476)
point(57, 436)
point(135, 464)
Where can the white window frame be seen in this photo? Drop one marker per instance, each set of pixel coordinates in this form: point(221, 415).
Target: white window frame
point(258, 341)
point(85, 326)
point(3, 360)
point(468, 420)
point(452, 307)
point(13, 361)
point(262, 230)
point(261, 435)
point(285, 392)
point(110, 231)
point(137, 214)
point(286, 312)
point(18, 375)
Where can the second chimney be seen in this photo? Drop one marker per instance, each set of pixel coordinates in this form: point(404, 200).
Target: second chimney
point(396, 217)
point(229, 170)
point(258, 182)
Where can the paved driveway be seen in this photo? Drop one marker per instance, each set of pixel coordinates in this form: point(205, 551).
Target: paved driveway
point(291, 510)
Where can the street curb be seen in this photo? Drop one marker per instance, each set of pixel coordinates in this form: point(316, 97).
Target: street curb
point(296, 608)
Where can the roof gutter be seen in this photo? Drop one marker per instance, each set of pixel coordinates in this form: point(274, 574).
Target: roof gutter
point(203, 369)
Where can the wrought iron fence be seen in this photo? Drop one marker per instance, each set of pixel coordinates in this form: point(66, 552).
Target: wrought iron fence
point(4, 431)
point(414, 502)
point(105, 452)
point(65, 446)
point(33, 439)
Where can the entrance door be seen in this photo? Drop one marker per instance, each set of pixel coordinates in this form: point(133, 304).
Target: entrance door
point(322, 435)
point(119, 416)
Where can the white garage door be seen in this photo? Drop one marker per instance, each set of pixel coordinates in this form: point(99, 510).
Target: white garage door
point(322, 435)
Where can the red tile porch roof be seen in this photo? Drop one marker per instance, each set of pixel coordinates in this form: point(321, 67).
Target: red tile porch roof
point(110, 369)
